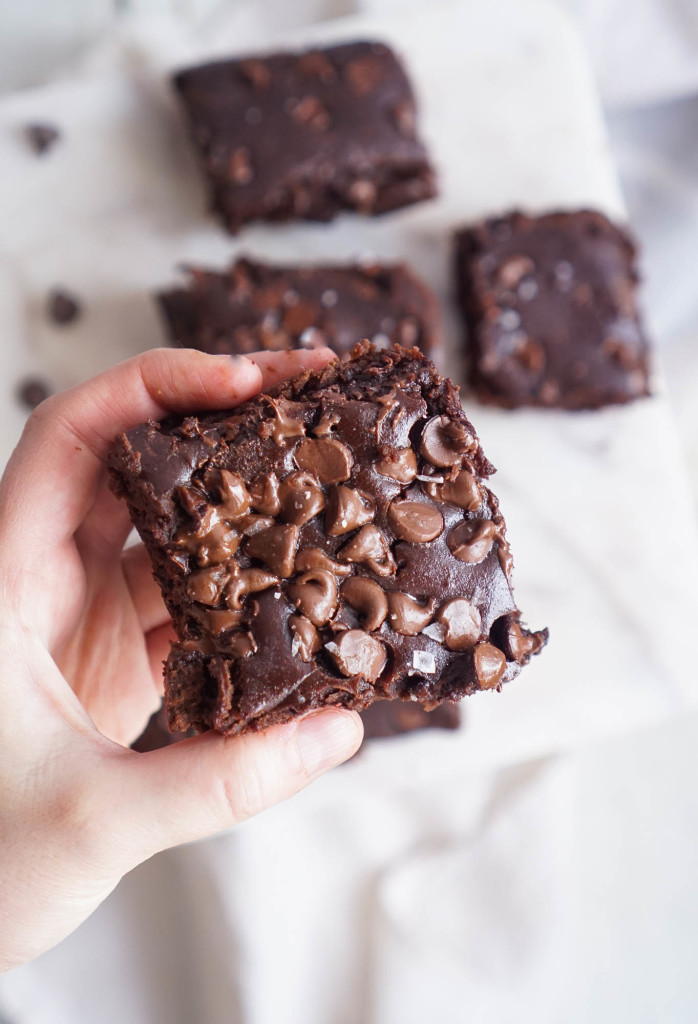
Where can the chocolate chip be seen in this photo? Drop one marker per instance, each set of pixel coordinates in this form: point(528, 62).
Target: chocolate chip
point(370, 548)
point(362, 194)
point(218, 545)
point(311, 112)
point(276, 547)
point(284, 426)
point(306, 639)
point(256, 72)
point(216, 621)
point(472, 540)
point(368, 598)
point(264, 494)
point(235, 498)
point(32, 392)
point(489, 663)
point(357, 653)
point(62, 307)
point(330, 460)
point(326, 424)
point(415, 521)
point(315, 595)
point(347, 509)
point(404, 115)
point(206, 585)
point(461, 489)
point(513, 269)
point(247, 581)
point(316, 65)
point(239, 166)
point(364, 75)
point(242, 645)
point(301, 498)
point(314, 558)
point(462, 624)
point(445, 441)
point(41, 137)
point(398, 464)
point(517, 643)
point(408, 616)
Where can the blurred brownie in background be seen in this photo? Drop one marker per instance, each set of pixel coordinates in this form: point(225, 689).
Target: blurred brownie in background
point(252, 306)
point(549, 304)
point(306, 135)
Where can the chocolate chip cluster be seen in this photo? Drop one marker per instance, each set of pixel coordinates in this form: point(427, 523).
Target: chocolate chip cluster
point(337, 537)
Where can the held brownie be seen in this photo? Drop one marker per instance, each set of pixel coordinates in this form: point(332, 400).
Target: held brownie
point(306, 135)
point(332, 542)
point(551, 313)
point(253, 306)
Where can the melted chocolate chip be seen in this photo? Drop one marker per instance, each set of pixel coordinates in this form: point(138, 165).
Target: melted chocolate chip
point(247, 581)
point(408, 616)
point(400, 465)
point(33, 392)
point(41, 137)
point(490, 664)
point(216, 621)
point(305, 641)
point(234, 495)
point(445, 441)
point(330, 460)
point(370, 548)
point(357, 653)
point(314, 594)
point(276, 547)
point(368, 598)
point(347, 510)
point(461, 489)
point(314, 558)
point(264, 494)
point(62, 307)
point(518, 644)
point(218, 545)
point(242, 645)
point(206, 585)
point(472, 540)
point(415, 521)
point(462, 624)
point(301, 498)
point(284, 427)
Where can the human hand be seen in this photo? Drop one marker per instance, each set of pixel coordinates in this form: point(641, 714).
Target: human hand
point(83, 633)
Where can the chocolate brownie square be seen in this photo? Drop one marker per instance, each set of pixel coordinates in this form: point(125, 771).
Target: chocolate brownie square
point(550, 308)
point(331, 542)
point(307, 135)
point(253, 306)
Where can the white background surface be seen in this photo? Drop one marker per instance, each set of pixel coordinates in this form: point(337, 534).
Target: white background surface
point(556, 890)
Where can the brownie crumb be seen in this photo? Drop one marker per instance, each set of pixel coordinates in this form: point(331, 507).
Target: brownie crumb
point(63, 308)
point(32, 391)
point(41, 137)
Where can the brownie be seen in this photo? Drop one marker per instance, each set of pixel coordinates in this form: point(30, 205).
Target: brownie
point(252, 306)
point(306, 135)
point(550, 308)
point(382, 720)
point(331, 542)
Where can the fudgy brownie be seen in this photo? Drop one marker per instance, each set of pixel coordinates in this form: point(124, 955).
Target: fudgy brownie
point(332, 542)
point(551, 312)
point(382, 720)
point(306, 135)
point(252, 306)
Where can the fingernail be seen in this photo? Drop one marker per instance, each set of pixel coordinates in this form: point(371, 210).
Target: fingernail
point(326, 738)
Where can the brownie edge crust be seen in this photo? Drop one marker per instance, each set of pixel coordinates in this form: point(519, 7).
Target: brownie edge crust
point(331, 542)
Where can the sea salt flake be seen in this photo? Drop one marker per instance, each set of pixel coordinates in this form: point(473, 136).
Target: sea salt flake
point(435, 631)
point(423, 661)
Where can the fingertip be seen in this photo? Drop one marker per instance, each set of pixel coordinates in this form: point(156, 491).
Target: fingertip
point(327, 738)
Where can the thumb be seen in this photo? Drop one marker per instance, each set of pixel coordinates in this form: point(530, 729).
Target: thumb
point(203, 785)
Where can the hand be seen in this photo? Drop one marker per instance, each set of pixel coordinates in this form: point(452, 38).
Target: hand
point(83, 633)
